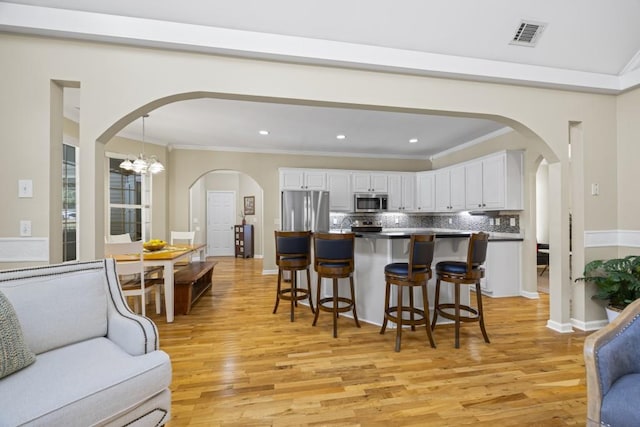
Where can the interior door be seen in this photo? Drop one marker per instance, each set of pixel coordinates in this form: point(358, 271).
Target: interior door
point(221, 216)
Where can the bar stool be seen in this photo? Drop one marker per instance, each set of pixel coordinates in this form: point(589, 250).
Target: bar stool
point(415, 273)
point(463, 273)
point(334, 260)
point(293, 254)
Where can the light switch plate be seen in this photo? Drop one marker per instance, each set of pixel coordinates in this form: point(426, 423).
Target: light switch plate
point(25, 188)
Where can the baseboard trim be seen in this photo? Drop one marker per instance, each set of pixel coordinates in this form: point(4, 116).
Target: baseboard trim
point(269, 272)
point(592, 325)
point(563, 328)
point(530, 295)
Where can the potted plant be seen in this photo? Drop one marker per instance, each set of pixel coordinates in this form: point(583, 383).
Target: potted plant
point(617, 281)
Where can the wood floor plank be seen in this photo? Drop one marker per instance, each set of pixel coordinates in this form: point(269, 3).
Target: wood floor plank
point(237, 364)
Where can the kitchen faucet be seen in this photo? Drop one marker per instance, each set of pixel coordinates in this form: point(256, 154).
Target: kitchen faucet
point(342, 222)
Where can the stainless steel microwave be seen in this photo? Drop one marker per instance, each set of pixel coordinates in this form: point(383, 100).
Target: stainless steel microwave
point(370, 202)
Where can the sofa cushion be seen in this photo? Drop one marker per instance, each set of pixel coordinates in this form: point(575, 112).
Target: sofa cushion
point(58, 305)
point(89, 382)
point(14, 353)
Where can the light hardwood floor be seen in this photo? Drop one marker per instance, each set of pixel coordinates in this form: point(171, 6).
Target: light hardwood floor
point(237, 364)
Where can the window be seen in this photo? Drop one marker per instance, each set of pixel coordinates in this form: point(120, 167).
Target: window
point(69, 203)
point(129, 202)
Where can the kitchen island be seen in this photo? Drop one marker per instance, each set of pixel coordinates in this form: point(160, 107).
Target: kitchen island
point(374, 250)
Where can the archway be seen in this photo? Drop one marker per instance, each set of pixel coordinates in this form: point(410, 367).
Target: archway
point(240, 184)
point(178, 186)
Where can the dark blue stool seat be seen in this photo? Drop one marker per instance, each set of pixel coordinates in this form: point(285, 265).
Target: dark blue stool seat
point(412, 274)
point(402, 269)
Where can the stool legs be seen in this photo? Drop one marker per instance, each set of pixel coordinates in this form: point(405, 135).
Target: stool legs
point(318, 301)
point(398, 318)
point(275, 308)
point(334, 300)
point(335, 307)
point(481, 312)
point(436, 305)
point(457, 313)
point(425, 304)
point(476, 314)
point(353, 298)
point(293, 292)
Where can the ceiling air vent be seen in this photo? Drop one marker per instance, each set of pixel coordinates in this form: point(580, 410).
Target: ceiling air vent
point(528, 33)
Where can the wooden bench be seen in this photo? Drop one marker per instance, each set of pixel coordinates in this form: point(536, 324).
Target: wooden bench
point(191, 281)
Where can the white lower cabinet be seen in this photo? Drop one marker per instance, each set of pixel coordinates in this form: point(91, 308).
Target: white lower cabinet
point(503, 271)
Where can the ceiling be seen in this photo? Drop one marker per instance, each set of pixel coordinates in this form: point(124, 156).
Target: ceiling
point(585, 45)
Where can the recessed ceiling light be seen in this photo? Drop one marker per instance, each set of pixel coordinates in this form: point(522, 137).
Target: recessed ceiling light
point(340, 136)
point(263, 132)
point(413, 140)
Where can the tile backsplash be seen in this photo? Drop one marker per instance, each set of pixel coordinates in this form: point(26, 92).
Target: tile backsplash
point(462, 221)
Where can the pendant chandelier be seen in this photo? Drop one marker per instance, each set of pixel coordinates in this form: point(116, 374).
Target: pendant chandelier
point(143, 164)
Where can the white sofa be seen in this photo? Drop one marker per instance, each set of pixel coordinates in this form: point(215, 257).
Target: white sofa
point(97, 363)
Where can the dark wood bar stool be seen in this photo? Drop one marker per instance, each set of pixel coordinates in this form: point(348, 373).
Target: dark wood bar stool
point(334, 260)
point(293, 254)
point(415, 273)
point(463, 273)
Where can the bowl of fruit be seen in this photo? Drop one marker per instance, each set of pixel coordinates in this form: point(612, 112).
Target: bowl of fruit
point(154, 244)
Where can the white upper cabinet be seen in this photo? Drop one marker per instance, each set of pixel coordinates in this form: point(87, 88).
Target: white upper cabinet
point(473, 178)
point(369, 182)
point(340, 195)
point(450, 189)
point(402, 190)
point(495, 182)
point(303, 179)
point(492, 182)
point(425, 192)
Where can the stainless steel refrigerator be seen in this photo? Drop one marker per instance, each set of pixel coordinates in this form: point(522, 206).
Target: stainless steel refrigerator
point(305, 210)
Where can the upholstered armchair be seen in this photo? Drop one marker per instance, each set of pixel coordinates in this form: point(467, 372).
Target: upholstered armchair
point(612, 361)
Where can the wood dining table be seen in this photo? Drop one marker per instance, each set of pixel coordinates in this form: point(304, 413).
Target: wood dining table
point(166, 258)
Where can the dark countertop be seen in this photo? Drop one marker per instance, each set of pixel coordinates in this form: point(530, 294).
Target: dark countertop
point(440, 234)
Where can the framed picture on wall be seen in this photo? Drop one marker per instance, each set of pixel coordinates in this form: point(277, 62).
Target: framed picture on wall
point(250, 205)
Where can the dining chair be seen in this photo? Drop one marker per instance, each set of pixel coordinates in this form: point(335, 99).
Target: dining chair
point(413, 274)
point(151, 273)
point(187, 237)
point(131, 274)
point(118, 238)
point(458, 273)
